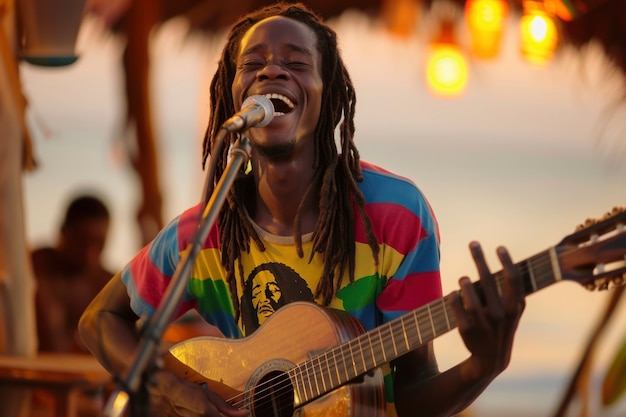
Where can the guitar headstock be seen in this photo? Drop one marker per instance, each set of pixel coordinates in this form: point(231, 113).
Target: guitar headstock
point(595, 254)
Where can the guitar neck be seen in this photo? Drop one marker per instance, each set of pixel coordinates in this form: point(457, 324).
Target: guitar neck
point(341, 364)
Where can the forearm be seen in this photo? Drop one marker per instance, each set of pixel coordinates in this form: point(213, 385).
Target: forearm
point(110, 333)
point(442, 394)
point(115, 353)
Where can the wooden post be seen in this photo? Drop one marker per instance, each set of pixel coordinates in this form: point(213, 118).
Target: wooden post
point(17, 285)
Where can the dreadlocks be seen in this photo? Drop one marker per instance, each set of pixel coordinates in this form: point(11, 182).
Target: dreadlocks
point(337, 174)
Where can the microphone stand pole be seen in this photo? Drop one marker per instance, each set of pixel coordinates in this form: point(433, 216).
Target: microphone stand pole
point(134, 383)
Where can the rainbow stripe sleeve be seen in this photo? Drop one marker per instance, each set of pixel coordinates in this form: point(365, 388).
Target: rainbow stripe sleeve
point(407, 228)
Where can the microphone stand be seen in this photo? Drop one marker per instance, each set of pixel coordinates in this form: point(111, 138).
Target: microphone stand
point(132, 389)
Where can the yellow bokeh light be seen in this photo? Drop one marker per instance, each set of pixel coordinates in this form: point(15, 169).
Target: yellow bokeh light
point(539, 36)
point(486, 14)
point(447, 70)
point(485, 20)
point(538, 28)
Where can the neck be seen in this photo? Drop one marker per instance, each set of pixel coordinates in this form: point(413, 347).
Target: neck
point(281, 187)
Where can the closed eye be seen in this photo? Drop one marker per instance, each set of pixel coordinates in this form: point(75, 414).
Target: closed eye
point(250, 65)
point(297, 64)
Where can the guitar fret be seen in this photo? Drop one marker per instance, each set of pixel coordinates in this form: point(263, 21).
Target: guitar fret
point(430, 317)
point(374, 361)
point(393, 341)
point(325, 370)
point(382, 346)
point(442, 318)
point(344, 365)
point(417, 327)
point(531, 273)
point(352, 361)
point(406, 340)
point(336, 367)
point(555, 265)
point(411, 330)
point(445, 312)
point(308, 386)
point(388, 342)
point(425, 330)
point(362, 355)
point(313, 378)
point(314, 385)
point(328, 377)
point(296, 377)
point(320, 372)
point(544, 270)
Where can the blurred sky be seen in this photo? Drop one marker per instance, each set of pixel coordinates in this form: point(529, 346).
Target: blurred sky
point(520, 159)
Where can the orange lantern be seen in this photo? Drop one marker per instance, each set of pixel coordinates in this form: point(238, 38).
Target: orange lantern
point(485, 19)
point(539, 35)
point(568, 10)
point(564, 9)
point(447, 69)
point(401, 16)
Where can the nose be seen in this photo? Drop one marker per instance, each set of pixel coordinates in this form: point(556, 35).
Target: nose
point(271, 72)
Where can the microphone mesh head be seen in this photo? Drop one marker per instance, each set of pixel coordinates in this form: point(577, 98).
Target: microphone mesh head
point(265, 103)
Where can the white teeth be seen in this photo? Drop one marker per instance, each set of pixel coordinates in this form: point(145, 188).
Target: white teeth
point(282, 98)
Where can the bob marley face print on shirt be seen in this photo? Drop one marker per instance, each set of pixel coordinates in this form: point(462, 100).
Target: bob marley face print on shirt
point(268, 287)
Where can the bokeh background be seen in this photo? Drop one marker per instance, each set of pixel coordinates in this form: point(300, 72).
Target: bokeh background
point(519, 158)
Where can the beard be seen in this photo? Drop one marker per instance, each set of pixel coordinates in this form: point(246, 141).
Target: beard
point(276, 152)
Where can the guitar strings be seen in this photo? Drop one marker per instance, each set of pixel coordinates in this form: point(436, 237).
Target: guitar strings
point(302, 369)
point(436, 312)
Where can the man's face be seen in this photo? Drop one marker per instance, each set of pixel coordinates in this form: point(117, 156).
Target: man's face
point(84, 241)
point(265, 295)
point(278, 58)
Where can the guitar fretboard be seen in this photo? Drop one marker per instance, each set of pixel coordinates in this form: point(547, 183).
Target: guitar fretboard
point(343, 363)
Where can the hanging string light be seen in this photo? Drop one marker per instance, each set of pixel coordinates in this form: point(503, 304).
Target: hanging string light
point(401, 16)
point(485, 20)
point(564, 9)
point(446, 66)
point(539, 35)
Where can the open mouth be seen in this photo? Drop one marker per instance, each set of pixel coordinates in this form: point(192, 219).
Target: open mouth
point(282, 104)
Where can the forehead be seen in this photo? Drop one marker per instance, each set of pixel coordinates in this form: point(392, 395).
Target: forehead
point(279, 31)
point(88, 228)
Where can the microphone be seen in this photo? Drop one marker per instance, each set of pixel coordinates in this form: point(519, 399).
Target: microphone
point(256, 111)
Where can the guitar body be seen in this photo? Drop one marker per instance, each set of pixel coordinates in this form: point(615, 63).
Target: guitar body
point(254, 372)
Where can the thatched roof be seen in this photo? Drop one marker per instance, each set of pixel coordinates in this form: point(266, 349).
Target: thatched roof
point(602, 21)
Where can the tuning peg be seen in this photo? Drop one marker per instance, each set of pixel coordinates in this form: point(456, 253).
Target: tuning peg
point(613, 212)
point(606, 283)
point(584, 225)
point(590, 222)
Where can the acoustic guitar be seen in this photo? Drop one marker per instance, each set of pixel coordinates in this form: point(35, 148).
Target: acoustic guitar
point(307, 360)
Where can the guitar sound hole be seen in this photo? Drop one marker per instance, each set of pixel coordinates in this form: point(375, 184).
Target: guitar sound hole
point(273, 396)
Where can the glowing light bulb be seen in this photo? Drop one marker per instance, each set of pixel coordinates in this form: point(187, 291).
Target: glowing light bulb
point(539, 35)
point(447, 70)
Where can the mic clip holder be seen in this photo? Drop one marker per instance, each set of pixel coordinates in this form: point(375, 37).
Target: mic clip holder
point(132, 388)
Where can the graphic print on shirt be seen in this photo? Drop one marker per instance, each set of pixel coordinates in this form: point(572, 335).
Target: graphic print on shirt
point(268, 287)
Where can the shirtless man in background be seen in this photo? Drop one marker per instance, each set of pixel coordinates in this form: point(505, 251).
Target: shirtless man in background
point(70, 274)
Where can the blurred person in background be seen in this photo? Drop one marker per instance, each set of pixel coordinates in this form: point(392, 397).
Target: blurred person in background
point(69, 275)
